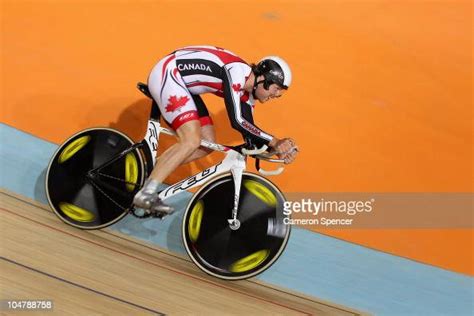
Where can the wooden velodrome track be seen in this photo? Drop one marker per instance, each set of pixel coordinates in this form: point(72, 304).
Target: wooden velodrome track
point(103, 272)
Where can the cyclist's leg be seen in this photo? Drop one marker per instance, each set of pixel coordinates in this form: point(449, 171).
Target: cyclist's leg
point(207, 129)
point(207, 133)
point(178, 108)
point(189, 135)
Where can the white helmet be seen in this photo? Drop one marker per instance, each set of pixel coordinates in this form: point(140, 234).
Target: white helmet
point(275, 70)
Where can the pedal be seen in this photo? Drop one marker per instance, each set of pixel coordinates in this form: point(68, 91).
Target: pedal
point(159, 207)
point(160, 215)
point(146, 213)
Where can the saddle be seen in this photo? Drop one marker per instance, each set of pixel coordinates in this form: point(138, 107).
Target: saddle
point(144, 89)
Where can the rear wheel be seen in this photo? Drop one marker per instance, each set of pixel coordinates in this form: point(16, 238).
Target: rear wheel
point(235, 254)
point(94, 200)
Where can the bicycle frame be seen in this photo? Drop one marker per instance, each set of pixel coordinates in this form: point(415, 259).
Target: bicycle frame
point(233, 162)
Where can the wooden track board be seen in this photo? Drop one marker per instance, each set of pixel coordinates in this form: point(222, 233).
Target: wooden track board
point(104, 272)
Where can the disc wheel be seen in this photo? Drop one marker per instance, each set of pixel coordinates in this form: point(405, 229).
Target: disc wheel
point(235, 254)
point(92, 201)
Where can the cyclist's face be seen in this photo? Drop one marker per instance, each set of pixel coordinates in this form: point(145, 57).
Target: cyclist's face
point(274, 91)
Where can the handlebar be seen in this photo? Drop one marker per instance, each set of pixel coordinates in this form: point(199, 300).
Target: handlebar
point(266, 172)
point(261, 154)
point(253, 152)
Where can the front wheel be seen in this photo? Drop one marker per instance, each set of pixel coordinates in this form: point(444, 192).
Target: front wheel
point(235, 254)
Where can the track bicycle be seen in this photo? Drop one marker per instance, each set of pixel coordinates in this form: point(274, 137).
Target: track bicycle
point(233, 226)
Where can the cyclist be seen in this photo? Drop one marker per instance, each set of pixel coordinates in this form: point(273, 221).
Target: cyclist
point(177, 82)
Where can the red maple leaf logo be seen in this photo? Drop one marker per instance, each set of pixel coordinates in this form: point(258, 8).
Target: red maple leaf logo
point(175, 103)
point(237, 87)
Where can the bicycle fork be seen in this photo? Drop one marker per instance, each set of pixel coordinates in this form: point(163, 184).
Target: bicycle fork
point(237, 171)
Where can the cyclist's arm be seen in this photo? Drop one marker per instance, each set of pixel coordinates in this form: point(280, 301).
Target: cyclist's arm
point(240, 116)
point(247, 115)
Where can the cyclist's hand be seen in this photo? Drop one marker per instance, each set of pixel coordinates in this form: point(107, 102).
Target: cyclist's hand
point(290, 156)
point(286, 149)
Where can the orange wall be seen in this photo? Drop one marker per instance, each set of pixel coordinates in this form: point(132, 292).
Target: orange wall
point(381, 100)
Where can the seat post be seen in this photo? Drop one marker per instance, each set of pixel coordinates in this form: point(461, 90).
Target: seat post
point(155, 110)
